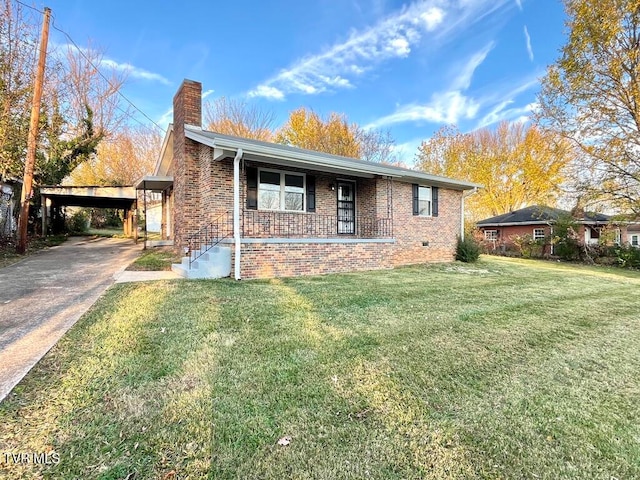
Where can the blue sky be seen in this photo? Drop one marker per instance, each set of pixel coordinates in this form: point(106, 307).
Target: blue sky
point(409, 67)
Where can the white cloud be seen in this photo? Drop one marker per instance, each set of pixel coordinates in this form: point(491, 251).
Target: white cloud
point(432, 17)
point(499, 104)
point(125, 67)
point(401, 46)
point(133, 71)
point(393, 37)
point(527, 38)
point(207, 93)
point(519, 3)
point(267, 92)
point(448, 107)
point(165, 119)
point(463, 80)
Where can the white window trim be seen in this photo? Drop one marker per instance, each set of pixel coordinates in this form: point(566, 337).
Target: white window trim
point(282, 185)
point(430, 200)
point(535, 238)
point(637, 237)
point(491, 239)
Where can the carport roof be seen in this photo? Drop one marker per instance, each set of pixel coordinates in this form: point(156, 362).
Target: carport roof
point(91, 196)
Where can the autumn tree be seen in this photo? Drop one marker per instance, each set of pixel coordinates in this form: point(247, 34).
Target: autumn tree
point(121, 159)
point(518, 165)
point(238, 118)
point(18, 44)
point(591, 95)
point(335, 135)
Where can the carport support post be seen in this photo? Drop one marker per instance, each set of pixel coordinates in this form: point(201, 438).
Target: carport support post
point(43, 202)
point(144, 199)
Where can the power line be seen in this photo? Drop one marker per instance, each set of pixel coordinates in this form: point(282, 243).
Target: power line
point(81, 52)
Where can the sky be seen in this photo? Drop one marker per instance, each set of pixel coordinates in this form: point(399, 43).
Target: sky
point(406, 67)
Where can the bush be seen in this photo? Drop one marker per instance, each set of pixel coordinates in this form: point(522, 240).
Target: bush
point(467, 249)
point(78, 222)
point(628, 256)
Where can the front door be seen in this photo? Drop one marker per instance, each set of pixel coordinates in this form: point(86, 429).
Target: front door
point(346, 208)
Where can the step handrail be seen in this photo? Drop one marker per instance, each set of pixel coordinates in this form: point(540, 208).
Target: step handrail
point(208, 236)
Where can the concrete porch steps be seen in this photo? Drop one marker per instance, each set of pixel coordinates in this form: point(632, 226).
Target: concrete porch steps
point(213, 263)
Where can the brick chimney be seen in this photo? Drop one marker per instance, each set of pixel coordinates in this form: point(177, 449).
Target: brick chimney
point(187, 109)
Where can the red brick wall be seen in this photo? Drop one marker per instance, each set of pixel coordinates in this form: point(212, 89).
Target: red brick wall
point(267, 260)
point(411, 231)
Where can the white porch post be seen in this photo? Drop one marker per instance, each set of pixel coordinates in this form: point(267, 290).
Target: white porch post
point(236, 212)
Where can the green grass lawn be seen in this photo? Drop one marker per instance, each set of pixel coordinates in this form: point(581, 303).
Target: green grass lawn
point(154, 259)
point(502, 369)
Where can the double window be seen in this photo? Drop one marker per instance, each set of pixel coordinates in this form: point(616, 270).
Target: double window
point(280, 191)
point(538, 234)
point(491, 235)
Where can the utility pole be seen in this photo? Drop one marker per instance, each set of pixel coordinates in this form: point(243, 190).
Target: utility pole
point(30, 161)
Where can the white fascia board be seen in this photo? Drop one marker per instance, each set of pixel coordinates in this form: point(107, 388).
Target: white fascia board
point(515, 224)
point(320, 160)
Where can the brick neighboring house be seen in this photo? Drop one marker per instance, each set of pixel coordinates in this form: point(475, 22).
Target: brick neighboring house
point(537, 221)
point(633, 234)
point(267, 210)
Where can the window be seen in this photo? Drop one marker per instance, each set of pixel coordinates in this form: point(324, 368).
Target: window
point(280, 191)
point(635, 240)
point(538, 234)
point(424, 201)
point(491, 235)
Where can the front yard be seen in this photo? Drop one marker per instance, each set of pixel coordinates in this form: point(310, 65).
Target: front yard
point(502, 369)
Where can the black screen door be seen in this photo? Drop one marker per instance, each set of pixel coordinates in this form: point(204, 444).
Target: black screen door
point(346, 208)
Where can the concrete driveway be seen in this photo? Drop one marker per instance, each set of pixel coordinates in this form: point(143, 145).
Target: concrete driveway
point(42, 296)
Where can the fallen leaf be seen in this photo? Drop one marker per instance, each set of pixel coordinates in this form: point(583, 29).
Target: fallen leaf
point(284, 441)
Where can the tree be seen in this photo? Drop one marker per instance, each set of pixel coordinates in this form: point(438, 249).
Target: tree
point(591, 95)
point(335, 135)
point(233, 117)
point(18, 44)
point(121, 159)
point(518, 165)
point(61, 156)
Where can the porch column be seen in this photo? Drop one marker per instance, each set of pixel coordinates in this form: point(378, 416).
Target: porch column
point(43, 202)
point(163, 216)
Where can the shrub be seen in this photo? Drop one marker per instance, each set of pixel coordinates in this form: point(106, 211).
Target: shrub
point(78, 222)
point(467, 249)
point(628, 256)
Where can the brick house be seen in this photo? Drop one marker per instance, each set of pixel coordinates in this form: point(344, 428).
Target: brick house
point(254, 209)
point(537, 221)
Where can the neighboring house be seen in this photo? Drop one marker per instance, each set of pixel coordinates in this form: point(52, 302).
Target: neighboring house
point(271, 210)
point(633, 234)
point(7, 201)
point(537, 221)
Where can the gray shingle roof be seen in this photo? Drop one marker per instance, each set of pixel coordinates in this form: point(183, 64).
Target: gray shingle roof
point(539, 214)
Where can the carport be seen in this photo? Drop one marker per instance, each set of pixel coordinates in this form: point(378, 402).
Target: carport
point(122, 198)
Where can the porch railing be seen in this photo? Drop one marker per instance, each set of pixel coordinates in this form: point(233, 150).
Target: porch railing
point(261, 224)
point(209, 236)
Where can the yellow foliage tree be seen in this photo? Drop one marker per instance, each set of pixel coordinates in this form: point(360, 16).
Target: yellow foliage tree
point(335, 135)
point(121, 160)
point(518, 165)
point(234, 117)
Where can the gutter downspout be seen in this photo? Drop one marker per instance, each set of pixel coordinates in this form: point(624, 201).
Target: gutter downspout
point(464, 195)
point(236, 211)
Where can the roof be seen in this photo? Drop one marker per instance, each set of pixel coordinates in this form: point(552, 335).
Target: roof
point(227, 145)
point(91, 196)
point(539, 215)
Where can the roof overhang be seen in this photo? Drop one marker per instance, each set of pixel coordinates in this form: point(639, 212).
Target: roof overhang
point(226, 146)
point(91, 196)
point(540, 222)
point(154, 182)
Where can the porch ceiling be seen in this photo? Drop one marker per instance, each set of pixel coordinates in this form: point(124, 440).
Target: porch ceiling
point(154, 183)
